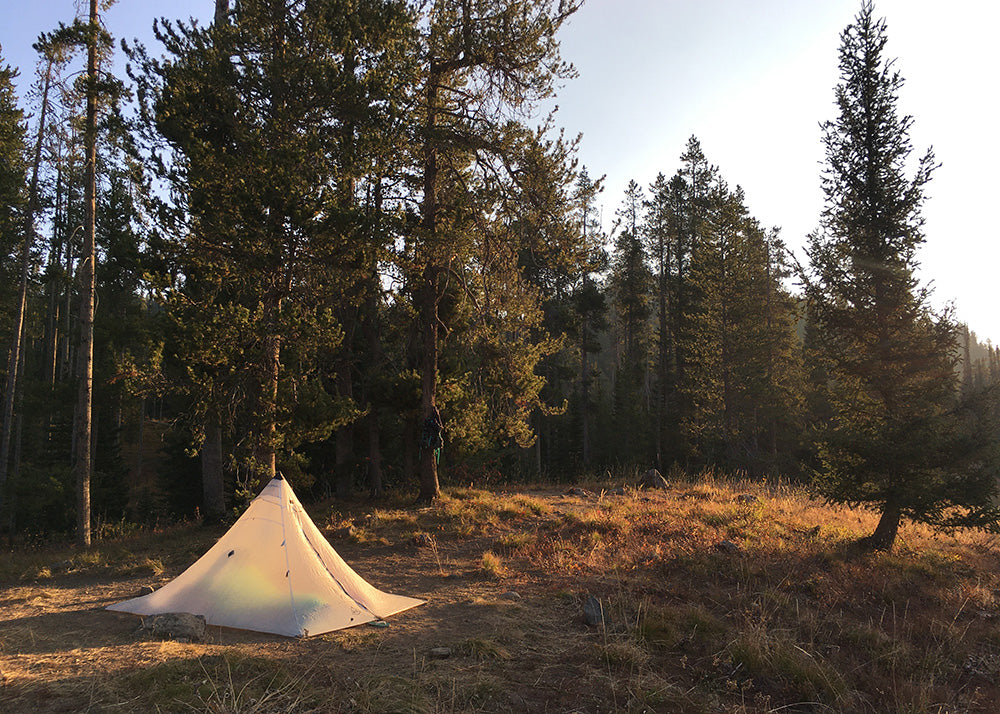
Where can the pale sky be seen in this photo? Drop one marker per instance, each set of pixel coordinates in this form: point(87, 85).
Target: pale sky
point(752, 79)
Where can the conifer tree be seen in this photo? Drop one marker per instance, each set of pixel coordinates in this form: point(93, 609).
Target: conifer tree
point(630, 285)
point(269, 121)
point(485, 63)
point(12, 204)
point(895, 441)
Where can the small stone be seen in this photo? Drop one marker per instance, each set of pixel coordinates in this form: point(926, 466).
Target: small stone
point(439, 652)
point(593, 612)
point(510, 595)
point(727, 546)
point(144, 590)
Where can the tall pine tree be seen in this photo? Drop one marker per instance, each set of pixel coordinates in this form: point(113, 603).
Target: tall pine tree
point(894, 442)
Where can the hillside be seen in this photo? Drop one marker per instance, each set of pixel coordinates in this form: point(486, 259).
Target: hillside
point(784, 616)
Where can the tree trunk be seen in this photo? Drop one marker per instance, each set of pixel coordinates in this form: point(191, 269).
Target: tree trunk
point(266, 456)
point(221, 12)
point(212, 473)
point(429, 486)
point(344, 438)
point(885, 532)
point(429, 295)
point(375, 488)
point(84, 408)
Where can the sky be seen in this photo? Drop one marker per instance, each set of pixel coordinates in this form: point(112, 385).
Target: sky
point(753, 80)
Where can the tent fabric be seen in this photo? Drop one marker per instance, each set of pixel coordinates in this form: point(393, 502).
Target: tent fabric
point(273, 571)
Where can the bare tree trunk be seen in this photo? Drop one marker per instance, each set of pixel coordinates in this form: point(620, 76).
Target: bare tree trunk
point(221, 12)
point(84, 409)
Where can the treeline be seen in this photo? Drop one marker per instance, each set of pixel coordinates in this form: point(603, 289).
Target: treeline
point(332, 243)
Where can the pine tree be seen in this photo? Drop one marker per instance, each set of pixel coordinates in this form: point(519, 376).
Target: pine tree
point(630, 284)
point(894, 441)
point(485, 63)
point(273, 121)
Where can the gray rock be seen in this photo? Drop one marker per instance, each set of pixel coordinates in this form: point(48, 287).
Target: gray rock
point(180, 626)
point(593, 612)
point(439, 652)
point(727, 546)
point(652, 479)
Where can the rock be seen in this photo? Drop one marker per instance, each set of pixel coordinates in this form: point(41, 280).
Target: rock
point(423, 540)
point(145, 590)
point(593, 612)
point(581, 492)
point(510, 595)
point(176, 626)
point(747, 499)
point(652, 479)
point(727, 546)
point(439, 652)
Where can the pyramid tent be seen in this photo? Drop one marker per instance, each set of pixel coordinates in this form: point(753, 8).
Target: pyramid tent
point(273, 571)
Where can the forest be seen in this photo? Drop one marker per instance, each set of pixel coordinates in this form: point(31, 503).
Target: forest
point(336, 240)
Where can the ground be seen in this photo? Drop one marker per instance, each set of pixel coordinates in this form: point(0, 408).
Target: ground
point(786, 617)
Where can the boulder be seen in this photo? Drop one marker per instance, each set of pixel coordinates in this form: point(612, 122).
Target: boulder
point(593, 612)
point(727, 546)
point(652, 479)
point(180, 626)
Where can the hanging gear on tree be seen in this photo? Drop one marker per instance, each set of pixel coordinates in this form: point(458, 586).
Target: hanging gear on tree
point(433, 434)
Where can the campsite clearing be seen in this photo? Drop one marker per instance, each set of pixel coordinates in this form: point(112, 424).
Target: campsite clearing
point(787, 615)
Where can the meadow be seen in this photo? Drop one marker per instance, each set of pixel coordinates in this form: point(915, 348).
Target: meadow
point(719, 595)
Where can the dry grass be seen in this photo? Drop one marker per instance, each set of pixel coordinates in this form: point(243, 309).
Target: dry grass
point(794, 620)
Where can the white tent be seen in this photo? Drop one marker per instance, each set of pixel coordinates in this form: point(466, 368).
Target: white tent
point(273, 571)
